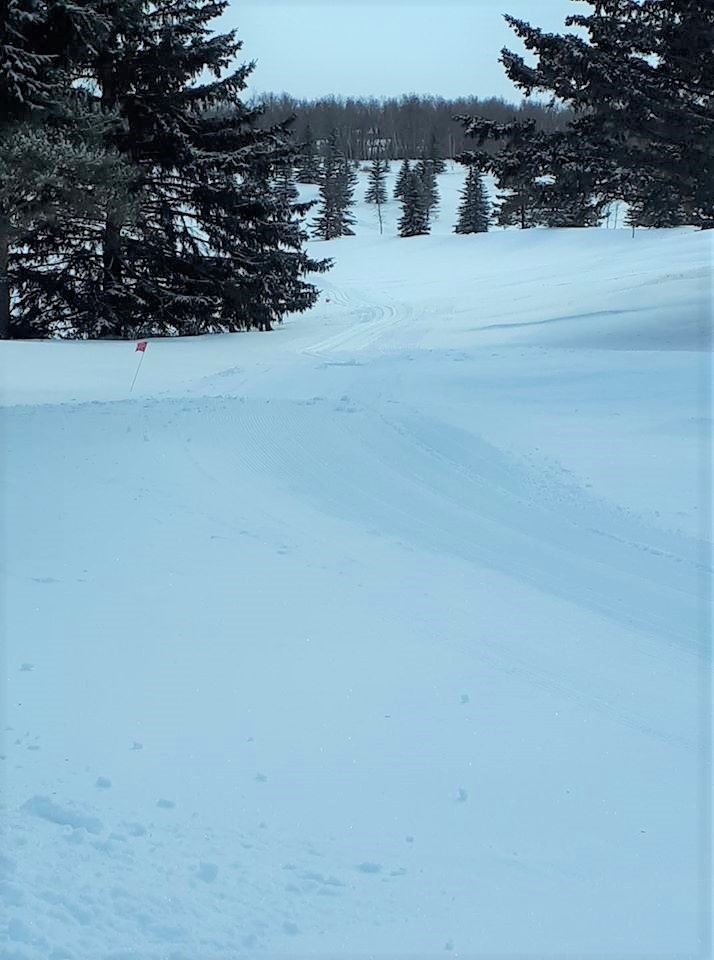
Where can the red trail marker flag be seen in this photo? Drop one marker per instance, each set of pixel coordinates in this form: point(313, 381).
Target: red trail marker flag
point(141, 348)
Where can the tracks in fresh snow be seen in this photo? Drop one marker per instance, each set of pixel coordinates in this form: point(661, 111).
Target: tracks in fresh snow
point(369, 325)
point(424, 483)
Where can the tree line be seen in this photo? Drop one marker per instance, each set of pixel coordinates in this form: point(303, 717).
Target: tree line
point(139, 194)
point(396, 128)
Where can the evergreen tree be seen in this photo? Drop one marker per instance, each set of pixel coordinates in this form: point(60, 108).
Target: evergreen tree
point(662, 207)
point(55, 175)
point(434, 155)
point(308, 163)
point(567, 200)
point(211, 249)
point(518, 166)
point(516, 207)
point(347, 183)
point(426, 173)
point(24, 70)
point(402, 179)
point(474, 208)
point(159, 216)
point(640, 86)
point(284, 185)
point(54, 189)
point(415, 218)
point(377, 191)
point(339, 179)
point(517, 171)
point(326, 224)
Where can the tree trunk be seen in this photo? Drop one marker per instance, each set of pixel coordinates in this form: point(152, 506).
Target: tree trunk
point(111, 253)
point(111, 240)
point(4, 289)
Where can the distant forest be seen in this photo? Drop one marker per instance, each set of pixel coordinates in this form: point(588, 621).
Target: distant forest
point(398, 127)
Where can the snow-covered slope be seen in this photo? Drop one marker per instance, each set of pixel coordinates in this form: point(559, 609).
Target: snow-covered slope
point(384, 634)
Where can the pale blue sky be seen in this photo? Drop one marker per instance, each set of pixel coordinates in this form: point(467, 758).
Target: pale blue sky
point(385, 47)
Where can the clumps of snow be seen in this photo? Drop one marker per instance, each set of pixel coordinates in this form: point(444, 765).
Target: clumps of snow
point(46, 809)
point(208, 872)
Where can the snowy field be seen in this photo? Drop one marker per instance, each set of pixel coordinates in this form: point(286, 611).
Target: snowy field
point(381, 635)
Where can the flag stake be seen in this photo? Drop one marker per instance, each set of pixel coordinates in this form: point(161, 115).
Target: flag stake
point(141, 347)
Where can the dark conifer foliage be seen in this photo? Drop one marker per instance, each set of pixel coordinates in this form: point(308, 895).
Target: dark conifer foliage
point(56, 175)
point(308, 163)
point(641, 88)
point(517, 170)
point(662, 207)
point(567, 200)
point(434, 155)
point(338, 181)
point(202, 239)
point(414, 221)
point(530, 194)
point(284, 185)
point(430, 188)
point(376, 189)
point(474, 210)
point(347, 183)
point(209, 239)
point(402, 179)
point(25, 79)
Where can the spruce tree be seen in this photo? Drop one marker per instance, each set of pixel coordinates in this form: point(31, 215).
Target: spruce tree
point(326, 224)
point(284, 185)
point(640, 84)
point(402, 178)
point(55, 174)
point(376, 190)
point(662, 207)
point(518, 165)
point(567, 199)
point(474, 210)
point(211, 248)
point(308, 164)
point(347, 183)
point(434, 155)
point(426, 173)
point(515, 208)
point(415, 218)
point(161, 218)
point(54, 189)
point(25, 81)
point(337, 187)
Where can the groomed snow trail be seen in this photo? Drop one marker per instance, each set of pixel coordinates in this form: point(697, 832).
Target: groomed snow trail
point(381, 635)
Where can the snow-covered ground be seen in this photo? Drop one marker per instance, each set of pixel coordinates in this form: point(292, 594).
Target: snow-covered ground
point(384, 634)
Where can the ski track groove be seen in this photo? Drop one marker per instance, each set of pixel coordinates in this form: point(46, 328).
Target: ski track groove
point(295, 456)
